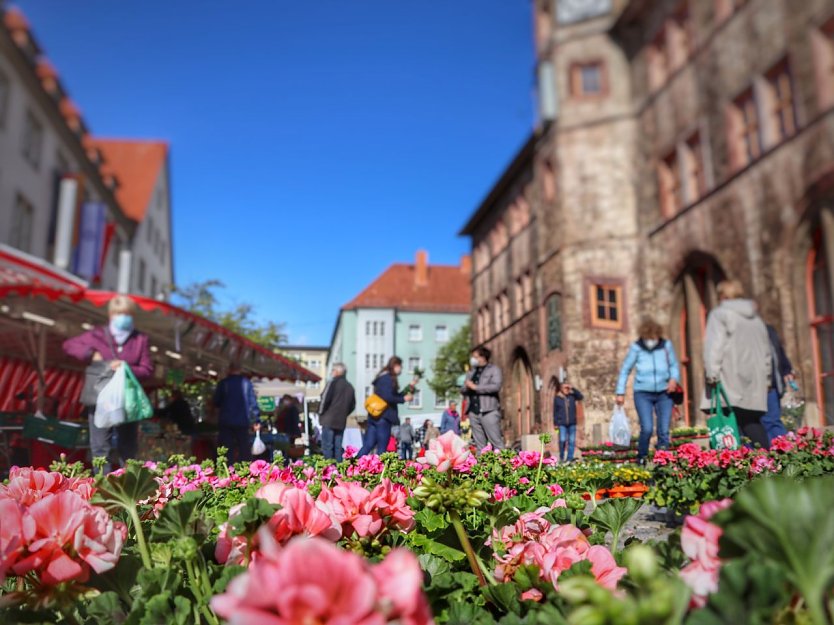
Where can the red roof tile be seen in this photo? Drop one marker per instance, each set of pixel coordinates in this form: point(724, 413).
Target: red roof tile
point(14, 19)
point(448, 290)
point(137, 165)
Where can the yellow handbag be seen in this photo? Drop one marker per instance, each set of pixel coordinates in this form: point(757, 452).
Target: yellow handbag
point(375, 406)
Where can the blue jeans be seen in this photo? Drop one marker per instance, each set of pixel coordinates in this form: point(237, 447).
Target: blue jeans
point(567, 441)
point(377, 436)
point(236, 439)
point(406, 451)
point(648, 405)
point(331, 443)
point(772, 420)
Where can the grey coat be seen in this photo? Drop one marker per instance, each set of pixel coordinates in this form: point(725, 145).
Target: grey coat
point(489, 388)
point(338, 403)
point(737, 352)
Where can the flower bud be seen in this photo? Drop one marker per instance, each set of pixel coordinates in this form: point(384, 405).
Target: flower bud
point(641, 562)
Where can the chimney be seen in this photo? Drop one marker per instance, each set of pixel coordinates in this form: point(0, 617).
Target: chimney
point(466, 265)
point(421, 269)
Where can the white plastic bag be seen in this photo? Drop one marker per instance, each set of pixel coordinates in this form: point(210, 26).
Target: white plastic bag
point(619, 431)
point(258, 446)
point(110, 405)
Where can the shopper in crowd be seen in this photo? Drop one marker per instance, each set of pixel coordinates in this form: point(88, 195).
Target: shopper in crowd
point(564, 418)
point(482, 389)
point(450, 420)
point(338, 404)
point(781, 375)
point(235, 399)
point(288, 418)
point(386, 386)
point(179, 412)
point(405, 436)
point(117, 343)
point(737, 353)
point(656, 377)
point(430, 432)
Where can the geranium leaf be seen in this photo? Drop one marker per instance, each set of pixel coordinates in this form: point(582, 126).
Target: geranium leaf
point(450, 554)
point(125, 490)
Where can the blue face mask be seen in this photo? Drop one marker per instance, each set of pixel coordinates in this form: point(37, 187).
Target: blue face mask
point(123, 323)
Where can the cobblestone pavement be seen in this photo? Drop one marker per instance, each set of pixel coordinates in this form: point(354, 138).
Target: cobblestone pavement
point(649, 523)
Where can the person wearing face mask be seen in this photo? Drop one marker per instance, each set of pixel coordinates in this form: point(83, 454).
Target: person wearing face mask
point(657, 376)
point(118, 342)
point(482, 388)
point(387, 387)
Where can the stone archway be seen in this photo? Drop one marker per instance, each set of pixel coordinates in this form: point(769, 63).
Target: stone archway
point(520, 411)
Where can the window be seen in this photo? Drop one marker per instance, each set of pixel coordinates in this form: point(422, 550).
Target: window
point(696, 184)
point(519, 296)
point(822, 41)
point(375, 361)
point(414, 362)
point(781, 96)
point(441, 334)
point(554, 322)
point(314, 364)
point(367, 328)
point(527, 282)
point(22, 224)
point(32, 140)
point(416, 400)
point(586, 79)
point(382, 328)
point(140, 278)
point(367, 361)
point(415, 332)
point(5, 91)
point(487, 323)
point(606, 303)
point(499, 314)
point(153, 292)
point(439, 402)
point(669, 183)
point(749, 132)
point(376, 328)
point(548, 182)
point(505, 309)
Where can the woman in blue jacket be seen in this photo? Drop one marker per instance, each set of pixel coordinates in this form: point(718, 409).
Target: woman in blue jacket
point(657, 375)
point(387, 387)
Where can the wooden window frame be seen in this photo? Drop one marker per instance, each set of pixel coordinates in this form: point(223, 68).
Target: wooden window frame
point(553, 309)
point(750, 126)
point(670, 184)
point(607, 284)
point(695, 169)
point(577, 90)
point(783, 101)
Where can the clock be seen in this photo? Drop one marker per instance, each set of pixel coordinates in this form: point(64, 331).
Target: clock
point(571, 11)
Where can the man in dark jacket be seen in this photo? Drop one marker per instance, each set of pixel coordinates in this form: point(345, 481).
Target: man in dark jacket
point(337, 405)
point(781, 373)
point(238, 405)
point(482, 388)
point(564, 418)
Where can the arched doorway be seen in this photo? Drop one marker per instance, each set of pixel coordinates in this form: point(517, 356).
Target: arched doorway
point(696, 296)
point(820, 291)
point(521, 415)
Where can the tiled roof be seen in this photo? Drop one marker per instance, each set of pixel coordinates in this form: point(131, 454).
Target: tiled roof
point(136, 164)
point(447, 289)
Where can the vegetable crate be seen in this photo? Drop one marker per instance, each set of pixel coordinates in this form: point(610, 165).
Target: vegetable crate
point(68, 434)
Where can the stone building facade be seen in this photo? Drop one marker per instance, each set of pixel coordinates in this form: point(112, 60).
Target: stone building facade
point(679, 143)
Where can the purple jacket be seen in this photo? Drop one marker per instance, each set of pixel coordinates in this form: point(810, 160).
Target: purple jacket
point(135, 352)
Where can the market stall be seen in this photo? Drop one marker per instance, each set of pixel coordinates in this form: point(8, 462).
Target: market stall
point(41, 306)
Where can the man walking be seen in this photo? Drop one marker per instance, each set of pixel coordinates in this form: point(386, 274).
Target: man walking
point(482, 387)
point(450, 421)
point(235, 397)
point(406, 438)
point(337, 405)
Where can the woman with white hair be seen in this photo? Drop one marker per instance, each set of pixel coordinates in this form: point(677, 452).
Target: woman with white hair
point(118, 342)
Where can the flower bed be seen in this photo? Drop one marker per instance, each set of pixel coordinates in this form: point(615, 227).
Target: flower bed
point(504, 538)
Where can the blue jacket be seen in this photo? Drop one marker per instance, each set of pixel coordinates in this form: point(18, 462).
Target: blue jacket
point(450, 423)
point(654, 367)
point(564, 408)
point(384, 387)
point(235, 396)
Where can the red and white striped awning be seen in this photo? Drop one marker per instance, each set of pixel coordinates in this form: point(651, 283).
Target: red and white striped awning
point(23, 274)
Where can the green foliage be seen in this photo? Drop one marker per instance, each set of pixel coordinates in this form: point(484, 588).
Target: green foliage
point(451, 363)
point(613, 515)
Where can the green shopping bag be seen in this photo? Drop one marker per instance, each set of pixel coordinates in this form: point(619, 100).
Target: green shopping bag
point(137, 404)
point(723, 427)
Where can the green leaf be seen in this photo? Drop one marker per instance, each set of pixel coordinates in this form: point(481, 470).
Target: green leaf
point(252, 516)
point(464, 613)
point(504, 596)
point(433, 565)
point(426, 544)
point(123, 491)
point(431, 521)
point(120, 579)
point(180, 519)
point(613, 515)
point(106, 609)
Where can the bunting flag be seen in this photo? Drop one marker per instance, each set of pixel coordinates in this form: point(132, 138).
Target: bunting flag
point(91, 226)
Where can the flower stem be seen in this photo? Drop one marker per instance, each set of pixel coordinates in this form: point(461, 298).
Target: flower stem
point(467, 547)
point(541, 463)
point(140, 537)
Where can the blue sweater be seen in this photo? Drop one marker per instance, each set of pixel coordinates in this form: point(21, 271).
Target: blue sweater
point(564, 408)
point(384, 387)
point(235, 397)
point(654, 368)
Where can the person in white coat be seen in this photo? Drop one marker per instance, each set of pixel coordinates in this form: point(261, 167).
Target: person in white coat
point(737, 353)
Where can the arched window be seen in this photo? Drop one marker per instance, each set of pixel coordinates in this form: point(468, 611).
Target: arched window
point(821, 311)
point(554, 322)
point(521, 396)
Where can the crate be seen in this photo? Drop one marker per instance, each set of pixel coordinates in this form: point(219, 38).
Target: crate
point(68, 434)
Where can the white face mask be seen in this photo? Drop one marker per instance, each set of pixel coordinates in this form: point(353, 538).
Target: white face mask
point(474, 362)
point(650, 343)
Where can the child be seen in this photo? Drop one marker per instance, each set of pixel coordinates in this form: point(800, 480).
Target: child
point(564, 418)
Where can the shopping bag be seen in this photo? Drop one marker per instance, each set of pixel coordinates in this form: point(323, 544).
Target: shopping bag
point(110, 404)
point(619, 431)
point(722, 424)
point(137, 404)
point(258, 446)
point(96, 377)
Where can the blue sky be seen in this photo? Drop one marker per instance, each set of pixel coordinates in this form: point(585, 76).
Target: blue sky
point(313, 142)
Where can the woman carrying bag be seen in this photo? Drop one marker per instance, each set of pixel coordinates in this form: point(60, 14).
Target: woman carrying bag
point(386, 389)
point(656, 384)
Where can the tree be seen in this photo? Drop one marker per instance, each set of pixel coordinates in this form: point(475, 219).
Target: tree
point(201, 298)
point(451, 363)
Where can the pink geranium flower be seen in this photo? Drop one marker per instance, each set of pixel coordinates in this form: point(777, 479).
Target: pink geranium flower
point(449, 451)
point(300, 516)
point(315, 582)
point(12, 521)
point(390, 500)
point(27, 485)
point(699, 541)
point(347, 502)
point(604, 567)
point(99, 539)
